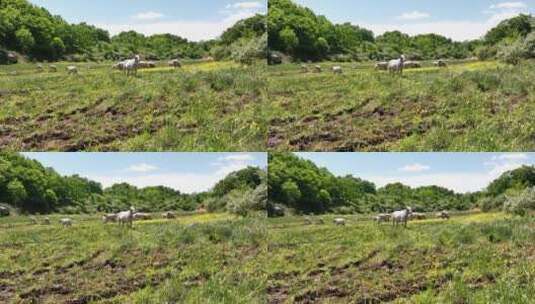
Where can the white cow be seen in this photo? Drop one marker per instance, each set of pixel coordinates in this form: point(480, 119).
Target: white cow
point(401, 217)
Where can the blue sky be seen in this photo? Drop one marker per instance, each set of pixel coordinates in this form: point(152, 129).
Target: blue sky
point(462, 172)
point(195, 20)
point(187, 172)
point(457, 19)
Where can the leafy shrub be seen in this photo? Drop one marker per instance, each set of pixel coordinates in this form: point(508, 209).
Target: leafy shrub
point(491, 203)
point(246, 51)
point(522, 203)
point(512, 54)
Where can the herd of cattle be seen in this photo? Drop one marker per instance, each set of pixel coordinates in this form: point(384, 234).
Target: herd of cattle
point(401, 217)
point(123, 218)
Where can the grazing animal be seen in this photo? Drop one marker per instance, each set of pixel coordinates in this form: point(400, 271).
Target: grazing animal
point(383, 66)
point(304, 68)
point(147, 64)
point(126, 217)
point(52, 69)
point(401, 217)
point(66, 222)
point(46, 221)
point(110, 217)
point(118, 66)
point(175, 63)
point(308, 221)
point(440, 63)
point(396, 65)
point(321, 221)
point(274, 59)
point(131, 65)
point(168, 215)
point(444, 215)
point(40, 68)
point(13, 73)
point(4, 211)
point(337, 69)
point(72, 70)
point(339, 221)
point(411, 64)
point(418, 216)
point(142, 216)
point(33, 220)
point(318, 69)
point(383, 217)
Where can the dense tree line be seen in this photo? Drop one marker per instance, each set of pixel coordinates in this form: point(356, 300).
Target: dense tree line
point(29, 187)
point(297, 31)
point(301, 185)
point(33, 31)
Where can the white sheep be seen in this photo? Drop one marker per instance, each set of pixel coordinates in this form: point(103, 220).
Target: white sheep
point(383, 217)
point(383, 65)
point(168, 215)
point(52, 68)
point(401, 217)
point(33, 220)
point(443, 215)
point(175, 63)
point(126, 217)
point(396, 66)
point(131, 65)
point(72, 70)
point(308, 221)
point(46, 221)
point(304, 68)
point(340, 221)
point(66, 222)
point(440, 63)
point(317, 69)
point(110, 217)
point(337, 69)
point(40, 68)
point(142, 216)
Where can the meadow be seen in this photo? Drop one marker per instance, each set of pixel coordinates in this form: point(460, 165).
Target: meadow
point(468, 106)
point(471, 258)
point(202, 258)
point(205, 106)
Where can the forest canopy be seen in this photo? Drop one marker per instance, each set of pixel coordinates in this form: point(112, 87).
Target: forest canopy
point(302, 186)
point(298, 32)
point(33, 31)
point(29, 187)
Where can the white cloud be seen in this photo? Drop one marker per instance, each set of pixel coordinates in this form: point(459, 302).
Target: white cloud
point(414, 15)
point(512, 156)
point(414, 168)
point(142, 168)
point(195, 30)
point(148, 16)
point(246, 5)
point(509, 5)
point(458, 30)
point(186, 182)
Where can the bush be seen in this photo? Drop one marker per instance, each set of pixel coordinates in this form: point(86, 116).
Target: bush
point(522, 203)
point(246, 51)
point(486, 52)
point(512, 54)
point(491, 203)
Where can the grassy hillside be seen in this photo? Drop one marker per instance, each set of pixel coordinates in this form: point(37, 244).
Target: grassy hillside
point(469, 106)
point(472, 258)
point(193, 259)
point(207, 106)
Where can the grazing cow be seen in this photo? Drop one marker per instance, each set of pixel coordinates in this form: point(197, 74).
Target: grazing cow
point(340, 221)
point(175, 63)
point(383, 217)
point(443, 215)
point(396, 66)
point(337, 70)
point(401, 217)
point(66, 222)
point(126, 217)
point(381, 66)
point(110, 217)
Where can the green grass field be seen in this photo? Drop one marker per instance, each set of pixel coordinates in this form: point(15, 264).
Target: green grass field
point(210, 258)
point(471, 258)
point(206, 106)
point(469, 106)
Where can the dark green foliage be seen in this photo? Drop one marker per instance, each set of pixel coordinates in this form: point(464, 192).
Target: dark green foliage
point(299, 32)
point(301, 185)
point(31, 188)
point(35, 32)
